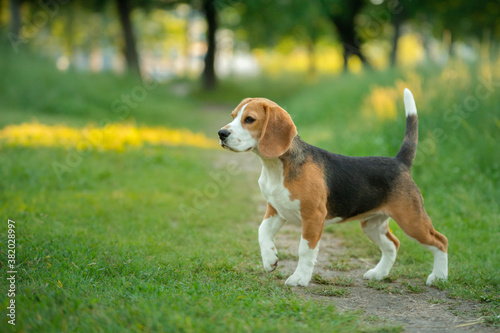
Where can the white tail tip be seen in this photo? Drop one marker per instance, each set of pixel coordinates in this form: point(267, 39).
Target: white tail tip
point(410, 106)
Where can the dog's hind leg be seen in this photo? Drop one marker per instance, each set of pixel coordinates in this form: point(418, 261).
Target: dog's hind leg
point(420, 228)
point(410, 215)
point(377, 229)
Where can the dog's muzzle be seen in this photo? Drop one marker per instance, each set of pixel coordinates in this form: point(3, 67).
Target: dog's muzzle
point(223, 134)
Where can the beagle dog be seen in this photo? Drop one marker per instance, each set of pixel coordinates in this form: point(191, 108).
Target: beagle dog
point(312, 187)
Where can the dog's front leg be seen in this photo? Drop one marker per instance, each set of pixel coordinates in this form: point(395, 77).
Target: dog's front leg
point(308, 252)
point(271, 224)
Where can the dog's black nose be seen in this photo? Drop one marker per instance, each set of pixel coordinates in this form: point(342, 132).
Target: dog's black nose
point(223, 134)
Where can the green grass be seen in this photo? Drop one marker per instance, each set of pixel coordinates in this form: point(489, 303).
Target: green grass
point(329, 291)
point(342, 265)
point(109, 249)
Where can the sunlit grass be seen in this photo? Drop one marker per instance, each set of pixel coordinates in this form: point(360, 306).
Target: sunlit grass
point(111, 137)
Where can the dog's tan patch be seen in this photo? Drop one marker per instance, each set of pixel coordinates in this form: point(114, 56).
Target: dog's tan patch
point(392, 238)
point(270, 212)
point(406, 207)
point(311, 190)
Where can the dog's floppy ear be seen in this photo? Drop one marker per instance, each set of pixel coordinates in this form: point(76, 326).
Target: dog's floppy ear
point(277, 133)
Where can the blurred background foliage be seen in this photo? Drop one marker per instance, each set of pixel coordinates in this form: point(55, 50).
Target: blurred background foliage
point(210, 39)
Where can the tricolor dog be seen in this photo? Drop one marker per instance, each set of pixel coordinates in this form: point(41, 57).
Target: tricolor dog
point(309, 186)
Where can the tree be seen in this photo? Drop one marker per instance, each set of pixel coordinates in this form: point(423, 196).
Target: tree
point(466, 19)
point(15, 17)
point(267, 26)
point(208, 76)
point(124, 9)
point(306, 26)
point(397, 21)
point(459, 20)
point(305, 22)
point(1, 15)
point(378, 17)
point(130, 48)
point(341, 14)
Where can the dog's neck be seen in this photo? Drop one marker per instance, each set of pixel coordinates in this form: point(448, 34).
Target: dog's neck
point(292, 159)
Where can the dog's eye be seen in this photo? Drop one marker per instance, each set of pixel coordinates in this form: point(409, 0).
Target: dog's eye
point(249, 120)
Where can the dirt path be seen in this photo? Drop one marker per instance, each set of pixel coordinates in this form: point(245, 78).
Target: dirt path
point(419, 309)
point(411, 304)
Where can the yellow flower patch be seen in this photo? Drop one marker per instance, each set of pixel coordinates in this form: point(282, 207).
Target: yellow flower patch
point(381, 102)
point(111, 137)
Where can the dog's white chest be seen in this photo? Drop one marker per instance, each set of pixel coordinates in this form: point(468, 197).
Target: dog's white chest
point(272, 186)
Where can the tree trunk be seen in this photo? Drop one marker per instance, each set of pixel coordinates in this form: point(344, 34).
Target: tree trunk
point(69, 35)
point(311, 53)
point(130, 50)
point(1, 15)
point(15, 17)
point(187, 44)
point(350, 44)
point(397, 21)
point(344, 24)
point(451, 47)
point(208, 76)
point(395, 40)
point(448, 41)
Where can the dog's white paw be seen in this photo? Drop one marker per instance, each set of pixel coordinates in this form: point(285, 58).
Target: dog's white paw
point(375, 274)
point(298, 279)
point(269, 259)
point(433, 277)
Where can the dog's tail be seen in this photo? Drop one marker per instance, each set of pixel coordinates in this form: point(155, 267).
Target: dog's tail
point(408, 149)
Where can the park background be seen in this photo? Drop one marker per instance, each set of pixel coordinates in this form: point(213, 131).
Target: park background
point(129, 217)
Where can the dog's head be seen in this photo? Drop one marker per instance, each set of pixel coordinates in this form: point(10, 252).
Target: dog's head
point(259, 123)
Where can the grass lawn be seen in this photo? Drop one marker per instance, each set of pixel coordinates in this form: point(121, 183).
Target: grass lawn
point(165, 238)
point(109, 250)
